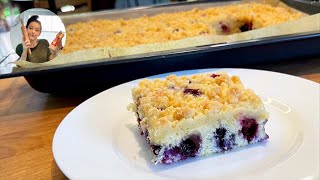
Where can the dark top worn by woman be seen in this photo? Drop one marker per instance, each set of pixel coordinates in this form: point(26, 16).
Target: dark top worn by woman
point(40, 53)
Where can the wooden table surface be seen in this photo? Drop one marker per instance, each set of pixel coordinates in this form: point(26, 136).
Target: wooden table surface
point(28, 120)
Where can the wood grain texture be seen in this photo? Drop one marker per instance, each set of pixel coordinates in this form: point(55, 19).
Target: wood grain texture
point(312, 77)
point(28, 120)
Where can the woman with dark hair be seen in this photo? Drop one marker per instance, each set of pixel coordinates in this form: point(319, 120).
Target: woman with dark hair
point(40, 51)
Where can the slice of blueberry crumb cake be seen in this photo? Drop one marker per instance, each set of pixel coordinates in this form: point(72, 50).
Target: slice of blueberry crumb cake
point(197, 115)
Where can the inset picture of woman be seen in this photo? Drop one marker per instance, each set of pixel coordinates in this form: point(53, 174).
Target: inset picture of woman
point(41, 27)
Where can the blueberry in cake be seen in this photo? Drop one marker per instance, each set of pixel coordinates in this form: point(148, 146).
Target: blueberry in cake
point(197, 115)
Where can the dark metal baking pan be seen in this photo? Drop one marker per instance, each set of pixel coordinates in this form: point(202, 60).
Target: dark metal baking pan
point(307, 6)
point(97, 75)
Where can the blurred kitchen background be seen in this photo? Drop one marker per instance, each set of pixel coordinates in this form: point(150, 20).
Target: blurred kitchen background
point(77, 6)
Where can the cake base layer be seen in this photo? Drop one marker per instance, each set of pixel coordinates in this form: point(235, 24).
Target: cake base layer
point(210, 141)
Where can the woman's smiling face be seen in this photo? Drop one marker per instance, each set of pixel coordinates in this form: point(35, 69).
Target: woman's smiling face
point(34, 30)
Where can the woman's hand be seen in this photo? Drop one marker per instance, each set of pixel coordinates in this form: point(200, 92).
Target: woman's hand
point(54, 53)
point(26, 44)
point(59, 46)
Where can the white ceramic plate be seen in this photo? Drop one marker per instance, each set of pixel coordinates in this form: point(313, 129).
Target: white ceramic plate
point(100, 139)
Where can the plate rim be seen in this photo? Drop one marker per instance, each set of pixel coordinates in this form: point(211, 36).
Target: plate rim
point(185, 72)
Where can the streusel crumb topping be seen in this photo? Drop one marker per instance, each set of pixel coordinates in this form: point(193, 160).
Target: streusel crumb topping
point(178, 98)
point(164, 27)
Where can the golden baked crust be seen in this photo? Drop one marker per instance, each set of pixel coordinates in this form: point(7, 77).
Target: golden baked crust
point(172, 108)
point(174, 26)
